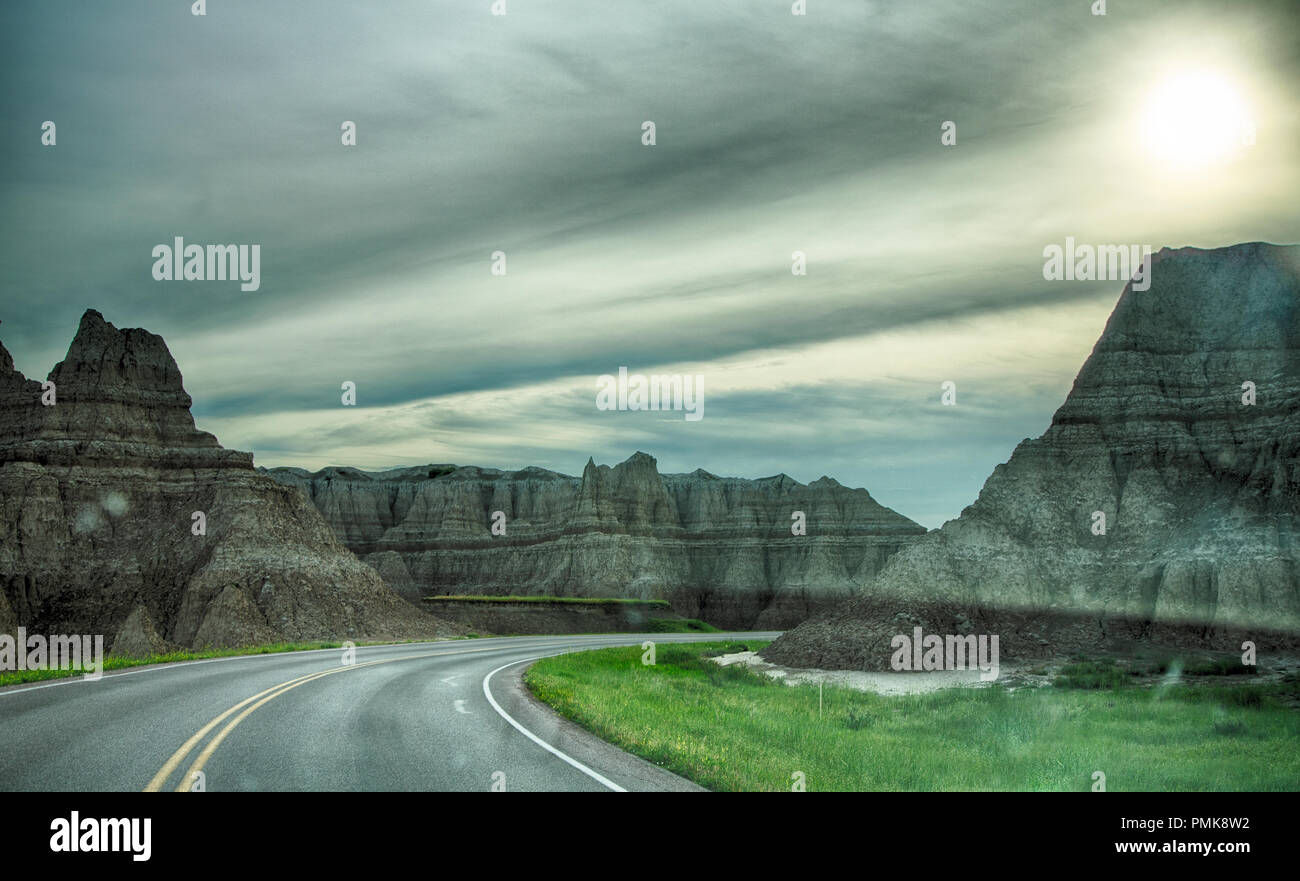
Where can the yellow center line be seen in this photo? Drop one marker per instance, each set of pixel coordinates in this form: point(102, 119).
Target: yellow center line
point(183, 785)
point(156, 784)
point(160, 779)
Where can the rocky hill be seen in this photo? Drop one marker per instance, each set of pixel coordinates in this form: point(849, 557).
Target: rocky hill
point(1198, 486)
point(98, 495)
point(717, 548)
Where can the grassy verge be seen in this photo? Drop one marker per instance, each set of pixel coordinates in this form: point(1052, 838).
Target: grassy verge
point(577, 601)
point(679, 625)
point(732, 729)
point(113, 662)
point(1106, 673)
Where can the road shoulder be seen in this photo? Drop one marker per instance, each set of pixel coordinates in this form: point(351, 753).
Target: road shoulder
point(631, 772)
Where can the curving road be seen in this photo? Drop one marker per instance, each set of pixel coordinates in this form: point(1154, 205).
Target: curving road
point(448, 715)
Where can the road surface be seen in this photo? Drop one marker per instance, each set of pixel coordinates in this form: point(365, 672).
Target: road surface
point(442, 716)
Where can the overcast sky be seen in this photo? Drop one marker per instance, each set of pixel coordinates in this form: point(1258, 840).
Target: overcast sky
point(523, 133)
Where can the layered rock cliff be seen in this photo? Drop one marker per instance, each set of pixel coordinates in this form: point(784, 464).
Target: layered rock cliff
point(98, 492)
point(1198, 486)
point(717, 548)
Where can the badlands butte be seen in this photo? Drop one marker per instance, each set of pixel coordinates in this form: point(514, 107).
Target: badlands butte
point(1182, 429)
point(720, 549)
point(98, 496)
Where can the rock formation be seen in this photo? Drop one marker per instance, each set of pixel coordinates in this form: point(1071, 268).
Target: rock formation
point(720, 549)
point(1199, 489)
point(98, 493)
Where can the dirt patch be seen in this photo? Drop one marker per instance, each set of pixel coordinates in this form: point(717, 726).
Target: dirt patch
point(1142, 670)
point(880, 683)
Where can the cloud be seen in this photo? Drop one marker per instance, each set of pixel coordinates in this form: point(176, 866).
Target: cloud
point(868, 408)
point(776, 133)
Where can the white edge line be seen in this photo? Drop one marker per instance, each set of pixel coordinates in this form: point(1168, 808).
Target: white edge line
point(487, 692)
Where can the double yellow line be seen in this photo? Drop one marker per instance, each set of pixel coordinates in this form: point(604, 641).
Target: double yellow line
point(248, 706)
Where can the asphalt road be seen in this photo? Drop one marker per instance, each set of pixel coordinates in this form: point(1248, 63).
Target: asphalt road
point(422, 716)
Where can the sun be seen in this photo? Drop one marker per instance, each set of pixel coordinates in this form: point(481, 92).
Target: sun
point(1193, 119)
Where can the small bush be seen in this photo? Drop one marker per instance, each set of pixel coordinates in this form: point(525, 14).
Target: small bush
point(857, 719)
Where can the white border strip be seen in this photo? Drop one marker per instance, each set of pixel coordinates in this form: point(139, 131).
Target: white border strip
point(487, 692)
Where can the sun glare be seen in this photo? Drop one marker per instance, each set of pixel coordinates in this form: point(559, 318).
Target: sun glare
point(1194, 119)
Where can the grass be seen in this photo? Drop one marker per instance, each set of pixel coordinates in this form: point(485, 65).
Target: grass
point(729, 728)
point(585, 601)
point(1102, 674)
point(1219, 667)
point(114, 662)
point(679, 625)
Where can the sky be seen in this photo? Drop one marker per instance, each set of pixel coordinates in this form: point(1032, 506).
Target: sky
point(522, 133)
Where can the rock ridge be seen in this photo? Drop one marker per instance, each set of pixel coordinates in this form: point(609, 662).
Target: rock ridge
point(97, 532)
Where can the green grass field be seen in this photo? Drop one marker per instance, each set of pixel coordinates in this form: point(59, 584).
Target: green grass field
point(732, 729)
